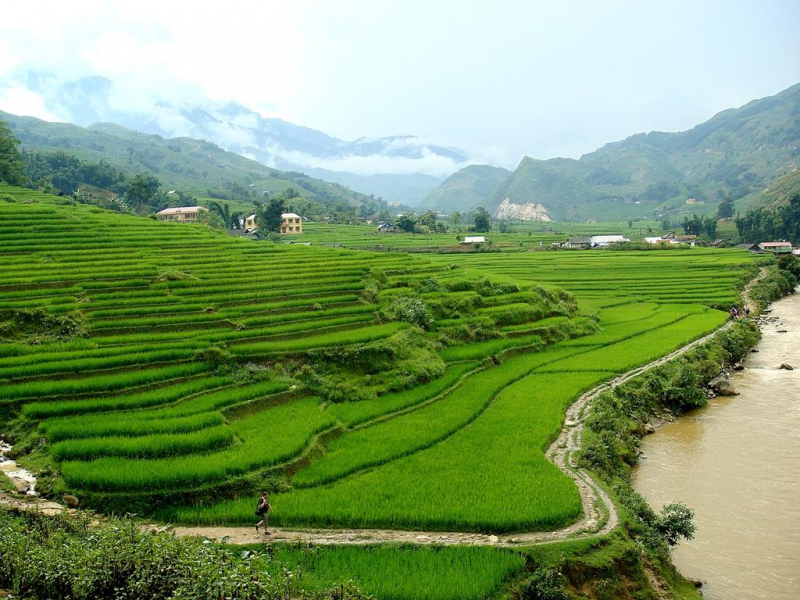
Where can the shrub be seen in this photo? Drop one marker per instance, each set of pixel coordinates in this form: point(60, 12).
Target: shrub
point(410, 309)
point(37, 326)
point(544, 584)
point(215, 355)
point(65, 557)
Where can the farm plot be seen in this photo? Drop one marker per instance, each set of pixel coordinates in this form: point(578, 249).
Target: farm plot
point(159, 358)
point(168, 364)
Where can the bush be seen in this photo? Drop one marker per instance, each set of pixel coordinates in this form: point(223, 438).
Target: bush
point(777, 284)
point(215, 355)
point(544, 584)
point(66, 557)
point(410, 309)
point(617, 417)
point(37, 326)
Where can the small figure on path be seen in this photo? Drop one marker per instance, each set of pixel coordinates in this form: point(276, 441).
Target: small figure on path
point(262, 511)
point(746, 311)
point(734, 312)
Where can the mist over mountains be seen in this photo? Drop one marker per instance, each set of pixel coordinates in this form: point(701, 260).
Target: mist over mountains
point(736, 154)
point(398, 168)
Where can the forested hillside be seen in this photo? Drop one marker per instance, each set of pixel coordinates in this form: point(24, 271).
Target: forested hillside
point(62, 154)
point(737, 154)
point(464, 190)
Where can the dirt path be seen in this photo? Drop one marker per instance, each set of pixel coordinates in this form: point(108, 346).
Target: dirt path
point(600, 515)
point(748, 302)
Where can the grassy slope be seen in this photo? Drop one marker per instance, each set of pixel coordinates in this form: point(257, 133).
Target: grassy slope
point(465, 189)
point(778, 193)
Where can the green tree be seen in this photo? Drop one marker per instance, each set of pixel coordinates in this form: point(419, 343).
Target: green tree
point(12, 169)
point(675, 522)
point(406, 223)
point(140, 190)
point(481, 221)
point(725, 209)
point(455, 219)
point(428, 219)
point(268, 216)
point(229, 219)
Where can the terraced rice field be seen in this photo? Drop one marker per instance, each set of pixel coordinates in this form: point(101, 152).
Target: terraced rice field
point(519, 235)
point(190, 369)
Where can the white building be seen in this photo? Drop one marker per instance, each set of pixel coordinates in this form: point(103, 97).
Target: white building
point(601, 241)
point(474, 239)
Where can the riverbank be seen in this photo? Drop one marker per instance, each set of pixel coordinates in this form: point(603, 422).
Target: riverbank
point(735, 463)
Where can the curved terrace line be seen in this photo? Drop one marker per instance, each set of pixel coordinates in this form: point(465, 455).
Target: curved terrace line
point(599, 518)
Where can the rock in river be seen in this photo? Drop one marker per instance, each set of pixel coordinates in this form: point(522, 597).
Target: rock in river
point(786, 367)
point(722, 387)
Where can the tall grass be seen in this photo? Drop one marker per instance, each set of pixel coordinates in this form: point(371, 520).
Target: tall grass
point(98, 383)
point(402, 572)
point(267, 438)
point(125, 425)
point(145, 446)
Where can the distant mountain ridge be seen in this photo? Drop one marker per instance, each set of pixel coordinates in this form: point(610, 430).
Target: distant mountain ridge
point(187, 164)
point(400, 168)
point(737, 153)
point(466, 189)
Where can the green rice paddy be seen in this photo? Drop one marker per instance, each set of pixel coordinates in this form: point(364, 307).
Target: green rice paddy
point(180, 380)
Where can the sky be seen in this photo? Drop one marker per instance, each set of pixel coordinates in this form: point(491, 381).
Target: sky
point(501, 78)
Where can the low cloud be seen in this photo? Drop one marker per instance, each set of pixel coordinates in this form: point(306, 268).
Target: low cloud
point(428, 164)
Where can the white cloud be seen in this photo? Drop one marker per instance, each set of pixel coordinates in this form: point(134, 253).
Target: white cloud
point(19, 100)
point(428, 164)
point(516, 75)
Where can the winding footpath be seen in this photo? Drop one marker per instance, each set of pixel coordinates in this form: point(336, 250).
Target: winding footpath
point(599, 513)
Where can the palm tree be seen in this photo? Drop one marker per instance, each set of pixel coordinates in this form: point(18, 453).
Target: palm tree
point(229, 219)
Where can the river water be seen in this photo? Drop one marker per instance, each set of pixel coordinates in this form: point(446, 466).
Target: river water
point(736, 462)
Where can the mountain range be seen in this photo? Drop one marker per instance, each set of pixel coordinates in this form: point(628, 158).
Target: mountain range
point(738, 153)
point(189, 165)
point(398, 168)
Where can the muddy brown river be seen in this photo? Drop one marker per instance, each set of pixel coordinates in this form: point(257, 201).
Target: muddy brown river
point(736, 462)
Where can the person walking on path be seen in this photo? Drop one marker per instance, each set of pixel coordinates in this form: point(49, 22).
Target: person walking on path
point(262, 511)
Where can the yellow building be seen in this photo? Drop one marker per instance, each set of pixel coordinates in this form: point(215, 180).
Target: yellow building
point(291, 224)
point(181, 214)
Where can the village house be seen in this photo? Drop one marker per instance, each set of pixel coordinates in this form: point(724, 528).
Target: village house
point(671, 238)
point(754, 248)
point(474, 239)
point(385, 228)
point(181, 214)
point(685, 239)
point(601, 241)
point(577, 243)
point(291, 224)
point(776, 247)
point(655, 240)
